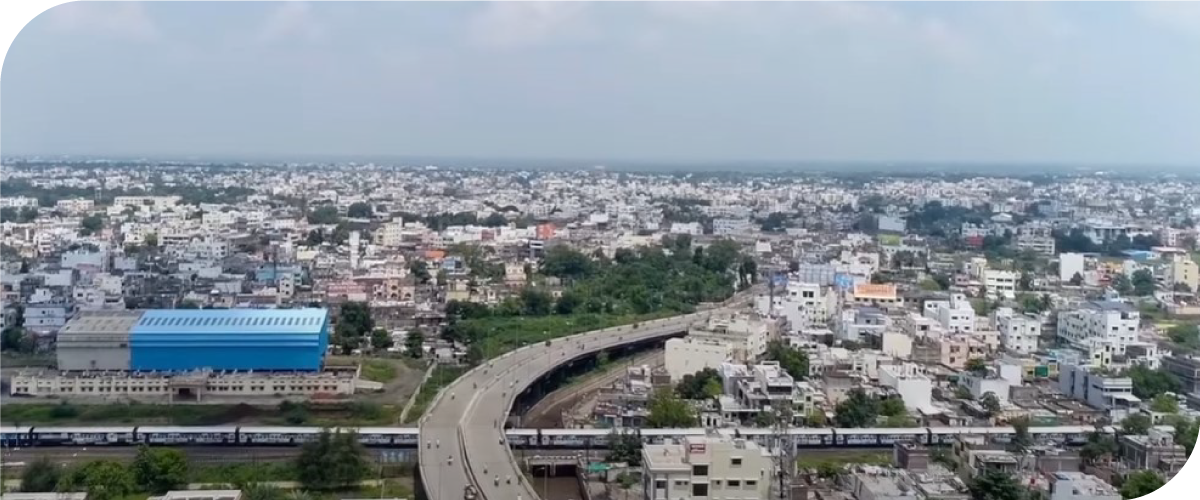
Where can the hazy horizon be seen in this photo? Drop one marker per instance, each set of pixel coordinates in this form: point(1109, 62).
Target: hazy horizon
point(706, 86)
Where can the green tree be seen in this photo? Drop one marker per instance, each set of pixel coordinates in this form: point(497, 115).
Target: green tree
point(12, 338)
point(91, 224)
point(359, 210)
point(420, 270)
point(977, 366)
point(668, 411)
point(1098, 446)
point(8, 214)
point(1135, 424)
point(40, 476)
point(961, 392)
point(994, 484)
point(1187, 335)
point(892, 407)
point(1076, 279)
point(991, 403)
point(101, 479)
point(704, 384)
point(1143, 282)
point(1140, 483)
point(413, 344)
point(496, 219)
point(1148, 383)
point(565, 262)
point(567, 303)
point(159, 470)
point(857, 410)
point(1022, 440)
point(259, 491)
point(1122, 284)
point(625, 447)
point(535, 302)
point(325, 214)
point(357, 316)
point(1165, 403)
point(793, 361)
point(332, 461)
point(151, 240)
point(381, 339)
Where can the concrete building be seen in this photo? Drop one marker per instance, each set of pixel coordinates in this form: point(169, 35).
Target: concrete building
point(191, 339)
point(876, 295)
point(1036, 238)
point(1070, 264)
point(689, 355)
point(1183, 271)
point(954, 315)
point(1019, 333)
point(910, 382)
point(1098, 389)
point(196, 385)
point(1115, 324)
point(1000, 283)
point(200, 495)
point(1080, 486)
point(700, 467)
point(803, 305)
point(1156, 450)
point(859, 323)
point(1186, 368)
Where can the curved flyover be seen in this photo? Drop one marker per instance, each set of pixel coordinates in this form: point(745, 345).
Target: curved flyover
point(462, 440)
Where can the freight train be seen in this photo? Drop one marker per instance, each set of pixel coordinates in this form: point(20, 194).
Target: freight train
point(407, 437)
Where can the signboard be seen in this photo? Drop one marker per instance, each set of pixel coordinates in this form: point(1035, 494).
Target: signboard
point(696, 448)
point(843, 281)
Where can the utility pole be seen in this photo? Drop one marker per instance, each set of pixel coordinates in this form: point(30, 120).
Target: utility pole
point(784, 448)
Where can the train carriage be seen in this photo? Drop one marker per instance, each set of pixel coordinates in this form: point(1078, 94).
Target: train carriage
point(277, 435)
point(215, 435)
point(16, 437)
point(83, 436)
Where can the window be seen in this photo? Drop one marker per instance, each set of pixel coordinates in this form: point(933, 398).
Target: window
point(700, 490)
point(737, 461)
point(660, 484)
point(734, 483)
point(699, 470)
point(750, 483)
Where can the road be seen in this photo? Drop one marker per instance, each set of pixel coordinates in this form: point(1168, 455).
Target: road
point(462, 432)
point(547, 413)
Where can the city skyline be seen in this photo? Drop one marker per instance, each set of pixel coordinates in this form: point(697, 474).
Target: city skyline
point(692, 83)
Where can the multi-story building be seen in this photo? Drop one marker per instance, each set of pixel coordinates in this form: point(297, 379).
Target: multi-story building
point(1183, 271)
point(1019, 333)
point(1036, 238)
point(1070, 264)
point(955, 315)
point(883, 296)
point(804, 305)
point(1186, 368)
point(1114, 323)
point(910, 382)
point(703, 467)
point(1000, 283)
point(1080, 486)
point(860, 322)
point(689, 355)
point(1098, 388)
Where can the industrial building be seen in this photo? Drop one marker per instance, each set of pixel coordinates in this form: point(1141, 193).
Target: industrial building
point(176, 340)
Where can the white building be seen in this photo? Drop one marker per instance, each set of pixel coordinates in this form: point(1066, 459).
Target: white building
point(730, 226)
point(1079, 486)
point(910, 382)
point(954, 315)
point(1113, 324)
point(1070, 264)
point(701, 467)
point(804, 305)
point(1000, 283)
point(1098, 389)
point(1019, 333)
point(1036, 238)
point(689, 355)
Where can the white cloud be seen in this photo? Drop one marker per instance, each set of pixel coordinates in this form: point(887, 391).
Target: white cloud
point(1181, 16)
point(126, 20)
point(513, 25)
point(291, 21)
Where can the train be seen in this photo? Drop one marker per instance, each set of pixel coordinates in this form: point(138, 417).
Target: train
point(575, 439)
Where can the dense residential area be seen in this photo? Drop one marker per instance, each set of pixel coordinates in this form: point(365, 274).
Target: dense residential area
point(1000, 333)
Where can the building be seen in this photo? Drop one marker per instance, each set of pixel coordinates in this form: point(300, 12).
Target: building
point(191, 386)
point(1080, 486)
point(1156, 450)
point(1000, 283)
point(701, 467)
point(53, 495)
point(1186, 368)
point(1036, 238)
point(910, 383)
point(200, 495)
point(1183, 271)
point(803, 304)
point(193, 339)
point(1070, 264)
point(1113, 324)
point(1019, 333)
point(1098, 389)
point(689, 355)
point(955, 315)
point(883, 296)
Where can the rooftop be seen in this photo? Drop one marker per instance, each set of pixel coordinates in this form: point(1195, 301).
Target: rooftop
point(308, 320)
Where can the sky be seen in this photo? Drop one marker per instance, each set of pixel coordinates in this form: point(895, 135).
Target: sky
point(1079, 83)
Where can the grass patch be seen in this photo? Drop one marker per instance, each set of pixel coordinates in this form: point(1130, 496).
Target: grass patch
point(843, 458)
point(390, 488)
point(441, 377)
point(506, 333)
point(379, 370)
point(241, 473)
point(132, 413)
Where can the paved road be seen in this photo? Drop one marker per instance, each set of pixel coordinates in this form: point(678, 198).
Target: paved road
point(547, 413)
point(467, 417)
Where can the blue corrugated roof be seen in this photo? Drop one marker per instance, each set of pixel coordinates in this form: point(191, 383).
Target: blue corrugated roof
point(281, 321)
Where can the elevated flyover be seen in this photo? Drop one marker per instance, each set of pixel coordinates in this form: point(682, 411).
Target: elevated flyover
point(462, 436)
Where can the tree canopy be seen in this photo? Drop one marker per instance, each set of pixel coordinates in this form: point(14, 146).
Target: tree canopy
point(159, 470)
point(1135, 424)
point(360, 210)
point(793, 361)
point(1140, 483)
point(40, 476)
point(858, 409)
point(703, 384)
point(332, 461)
point(668, 411)
point(1148, 383)
point(993, 484)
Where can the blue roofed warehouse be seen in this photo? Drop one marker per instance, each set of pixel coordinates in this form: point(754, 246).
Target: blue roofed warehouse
point(229, 339)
